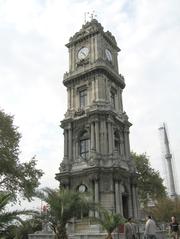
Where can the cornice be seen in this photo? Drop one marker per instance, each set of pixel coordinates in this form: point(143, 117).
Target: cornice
point(97, 111)
point(99, 65)
point(96, 171)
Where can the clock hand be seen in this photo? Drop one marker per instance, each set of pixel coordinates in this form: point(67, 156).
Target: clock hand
point(84, 54)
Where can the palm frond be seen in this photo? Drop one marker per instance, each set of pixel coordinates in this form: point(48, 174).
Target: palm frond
point(5, 198)
point(108, 220)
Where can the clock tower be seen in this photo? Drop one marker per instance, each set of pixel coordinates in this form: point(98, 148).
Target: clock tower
point(96, 128)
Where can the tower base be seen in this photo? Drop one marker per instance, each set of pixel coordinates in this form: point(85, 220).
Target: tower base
point(85, 229)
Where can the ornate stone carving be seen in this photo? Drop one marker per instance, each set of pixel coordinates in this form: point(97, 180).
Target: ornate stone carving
point(64, 166)
point(64, 182)
point(83, 62)
point(110, 36)
point(86, 30)
point(79, 112)
point(92, 162)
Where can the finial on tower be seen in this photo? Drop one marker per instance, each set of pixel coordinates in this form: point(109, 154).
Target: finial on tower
point(91, 15)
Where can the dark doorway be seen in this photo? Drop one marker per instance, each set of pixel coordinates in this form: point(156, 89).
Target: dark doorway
point(125, 206)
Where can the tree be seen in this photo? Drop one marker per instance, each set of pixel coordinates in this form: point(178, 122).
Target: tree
point(165, 208)
point(62, 206)
point(109, 221)
point(15, 176)
point(150, 184)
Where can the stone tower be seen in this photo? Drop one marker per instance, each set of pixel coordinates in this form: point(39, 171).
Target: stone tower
point(96, 128)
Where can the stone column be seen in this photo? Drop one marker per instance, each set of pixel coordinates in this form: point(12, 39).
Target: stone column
point(73, 58)
point(91, 212)
point(92, 91)
point(70, 59)
point(65, 144)
point(130, 211)
point(120, 100)
point(120, 199)
point(122, 145)
point(113, 146)
point(116, 102)
point(96, 194)
point(95, 47)
point(106, 89)
point(101, 137)
point(110, 138)
point(69, 97)
point(73, 149)
point(92, 136)
point(126, 141)
point(70, 143)
point(77, 148)
point(97, 136)
point(92, 50)
point(117, 199)
point(72, 98)
point(92, 139)
point(134, 201)
point(76, 99)
point(97, 87)
point(88, 100)
point(105, 137)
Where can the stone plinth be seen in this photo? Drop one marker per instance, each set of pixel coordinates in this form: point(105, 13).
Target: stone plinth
point(95, 236)
point(41, 235)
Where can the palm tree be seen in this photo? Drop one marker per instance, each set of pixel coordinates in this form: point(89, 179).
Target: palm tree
point(62, 206)
point(28, 226)
point(109, 221)
point(7, 218)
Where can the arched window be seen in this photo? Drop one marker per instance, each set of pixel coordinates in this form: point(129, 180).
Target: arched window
point(117, 141)
point(113, 95)
point(82, 98)
point(84, 145)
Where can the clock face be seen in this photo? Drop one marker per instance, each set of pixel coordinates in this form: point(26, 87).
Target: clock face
point(108, 55)
point(83, 53)
point(82, 188)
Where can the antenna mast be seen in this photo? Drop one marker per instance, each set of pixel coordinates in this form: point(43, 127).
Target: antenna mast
point(168, 158)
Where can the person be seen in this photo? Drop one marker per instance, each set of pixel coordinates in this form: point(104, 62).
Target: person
point(130, 229)
point(174, 228)
point(150, 228)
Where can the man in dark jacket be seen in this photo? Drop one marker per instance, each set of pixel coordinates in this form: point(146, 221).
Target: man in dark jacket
point(174, 228)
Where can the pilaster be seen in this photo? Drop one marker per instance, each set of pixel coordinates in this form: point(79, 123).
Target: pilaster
point(97, 135)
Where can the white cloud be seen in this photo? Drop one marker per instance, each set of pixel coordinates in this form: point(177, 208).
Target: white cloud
point(33, 60)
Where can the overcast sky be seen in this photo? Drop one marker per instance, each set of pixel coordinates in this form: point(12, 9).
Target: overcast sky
point(33, 59)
